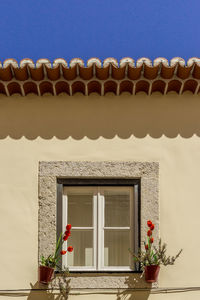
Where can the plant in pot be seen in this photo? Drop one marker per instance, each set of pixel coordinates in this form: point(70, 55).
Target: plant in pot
point(152, 257)
point(49, 263)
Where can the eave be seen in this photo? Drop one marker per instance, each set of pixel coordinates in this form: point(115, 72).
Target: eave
point(110, 76)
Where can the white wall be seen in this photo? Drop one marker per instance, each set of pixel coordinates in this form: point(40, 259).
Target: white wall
point(141, 128)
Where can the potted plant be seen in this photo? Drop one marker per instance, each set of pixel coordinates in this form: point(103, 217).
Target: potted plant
point(152, 257)
point(49, 263)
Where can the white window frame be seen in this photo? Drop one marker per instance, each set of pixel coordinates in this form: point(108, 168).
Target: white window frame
point(98, 226)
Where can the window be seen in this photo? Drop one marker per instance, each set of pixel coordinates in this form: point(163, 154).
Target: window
point(54, 176)
point(104, 222)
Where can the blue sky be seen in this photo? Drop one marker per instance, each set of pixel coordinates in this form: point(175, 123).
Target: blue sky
point(99, 28)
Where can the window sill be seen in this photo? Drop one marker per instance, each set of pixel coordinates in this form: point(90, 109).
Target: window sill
point(106, 280)
point(101, 272)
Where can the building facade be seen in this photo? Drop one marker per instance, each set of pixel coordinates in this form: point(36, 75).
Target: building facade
point(105, 129)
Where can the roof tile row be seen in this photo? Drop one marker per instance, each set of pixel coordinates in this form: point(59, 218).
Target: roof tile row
point(99, 87)
point(110, 67)
point(101, 77)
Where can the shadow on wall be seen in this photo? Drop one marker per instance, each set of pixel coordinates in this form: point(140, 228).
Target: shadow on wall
point(34, 295)
point(95, 116)
point(61, 294)
point(127, 295)
point(130, 294)
point(43, 295)
point(39, 292)
point(64, 289)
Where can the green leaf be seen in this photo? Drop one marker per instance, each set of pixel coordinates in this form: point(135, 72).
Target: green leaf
point(58, 245)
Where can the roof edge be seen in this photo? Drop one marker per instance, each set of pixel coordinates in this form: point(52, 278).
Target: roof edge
point(96, 61)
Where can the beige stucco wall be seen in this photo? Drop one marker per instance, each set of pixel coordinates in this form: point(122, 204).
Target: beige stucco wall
point(158, 128)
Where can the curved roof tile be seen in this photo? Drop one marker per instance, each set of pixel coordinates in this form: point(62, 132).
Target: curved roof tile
point(110, 75)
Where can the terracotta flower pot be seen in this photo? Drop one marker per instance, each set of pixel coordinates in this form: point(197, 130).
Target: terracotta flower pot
point(151, 273)
point(45, 274)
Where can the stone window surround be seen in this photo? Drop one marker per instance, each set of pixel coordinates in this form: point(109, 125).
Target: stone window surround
point(49, 171)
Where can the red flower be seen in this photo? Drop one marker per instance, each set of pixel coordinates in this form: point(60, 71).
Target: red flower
point(151, 240)
point(149, 232)
point(65, 237)
point(67, 232)
point(70, 249)
point(149, 223)
point(63, 252)
point(69, 226)
point(146, 247)
point(152, 227)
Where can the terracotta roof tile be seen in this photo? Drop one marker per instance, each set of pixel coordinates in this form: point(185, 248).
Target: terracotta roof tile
point(110, 75)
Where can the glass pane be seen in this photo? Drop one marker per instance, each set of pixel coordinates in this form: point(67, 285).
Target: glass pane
point(82, 242)
point(117, 208)
point(80, 209)
point(116, 245)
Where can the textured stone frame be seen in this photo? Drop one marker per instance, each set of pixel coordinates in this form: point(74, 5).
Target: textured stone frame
point(148, 172)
